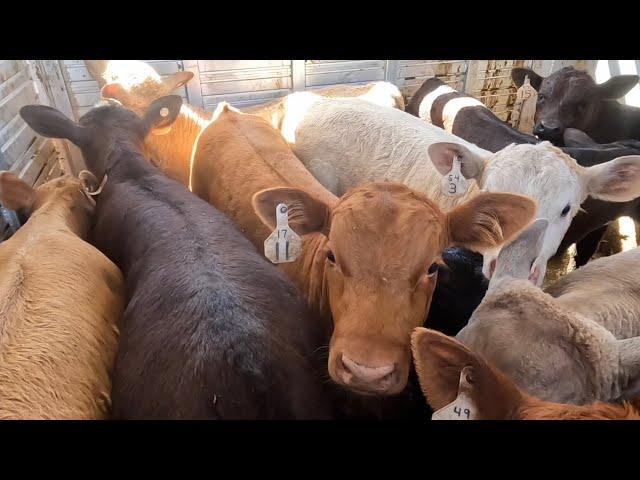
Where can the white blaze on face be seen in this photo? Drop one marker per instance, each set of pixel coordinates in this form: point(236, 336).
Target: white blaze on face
point(296, 106)
point(542, 173)
point(424, 110)
point(453, 106)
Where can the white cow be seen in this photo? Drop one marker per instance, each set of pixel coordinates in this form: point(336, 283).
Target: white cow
point(346, 142)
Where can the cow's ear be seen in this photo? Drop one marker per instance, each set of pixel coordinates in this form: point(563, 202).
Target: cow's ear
point(161, 114)
point(439, 362)
point(489, 220)
point(442, 155)
point(306, 214)
point(52, 123)
point(177, 80)
point(96, 69)
point(518, 74)
point(15, 194)
point(617, 180)
point(617, 87)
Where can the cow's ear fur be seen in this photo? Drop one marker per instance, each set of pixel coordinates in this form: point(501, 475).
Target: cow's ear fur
point(15, 193)
point(489, 220)
point(306, 214)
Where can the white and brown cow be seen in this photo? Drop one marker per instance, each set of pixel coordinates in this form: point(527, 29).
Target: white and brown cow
point(347, 142)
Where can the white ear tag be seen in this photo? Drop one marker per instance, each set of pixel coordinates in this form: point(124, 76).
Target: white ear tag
point(462, 408)
point(283, 245)
point(454, 183)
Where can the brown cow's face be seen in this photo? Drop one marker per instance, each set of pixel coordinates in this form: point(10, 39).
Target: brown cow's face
point(382, 240)
point(570, 98)
point(380, 282)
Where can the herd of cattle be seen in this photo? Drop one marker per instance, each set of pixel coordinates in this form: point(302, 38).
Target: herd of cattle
point(140, 289)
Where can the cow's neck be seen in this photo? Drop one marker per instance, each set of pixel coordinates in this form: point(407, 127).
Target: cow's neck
point(171, 152)
point(615, 122)
point(308, 273)
point(58, 215)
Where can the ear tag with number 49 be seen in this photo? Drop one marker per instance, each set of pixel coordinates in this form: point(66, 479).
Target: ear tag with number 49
point(283, 245)
point(462, 408)
point(454, 183)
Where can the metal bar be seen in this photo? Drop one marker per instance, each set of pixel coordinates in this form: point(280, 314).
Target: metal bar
point(194, 89)
point(614, 67)
point(298, 75)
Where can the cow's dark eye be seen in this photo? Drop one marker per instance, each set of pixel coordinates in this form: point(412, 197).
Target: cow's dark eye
point(433, 269)
point(330, 256)
point(565, 211)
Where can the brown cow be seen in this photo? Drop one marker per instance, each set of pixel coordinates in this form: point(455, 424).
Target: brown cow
point(60, 299)
point(368, 257)
point(440, 361)
point(136, 85)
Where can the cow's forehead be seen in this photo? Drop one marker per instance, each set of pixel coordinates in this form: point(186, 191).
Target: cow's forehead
point(567, 83)
point(389, 217)
point(538, 171)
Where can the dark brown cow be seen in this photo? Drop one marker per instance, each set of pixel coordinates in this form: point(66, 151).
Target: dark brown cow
point(211, 329)
point(570, 98)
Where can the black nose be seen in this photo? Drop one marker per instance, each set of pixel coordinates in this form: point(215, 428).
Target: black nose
point(547, 131)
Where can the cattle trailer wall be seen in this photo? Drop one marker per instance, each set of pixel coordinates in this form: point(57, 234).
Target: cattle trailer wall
point(68, 86)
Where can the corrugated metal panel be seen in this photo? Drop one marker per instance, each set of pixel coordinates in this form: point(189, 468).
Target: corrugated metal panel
point(84, 91)
point(412, 73)
point(243, 83)
point(331, 72)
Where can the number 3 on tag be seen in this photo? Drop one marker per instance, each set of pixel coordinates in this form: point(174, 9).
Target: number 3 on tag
point(283, 245)
point(454, 183)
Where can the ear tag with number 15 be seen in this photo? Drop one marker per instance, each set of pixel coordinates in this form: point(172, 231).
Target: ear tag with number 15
point(283, 245)
point(462, 408)
point(454, 183)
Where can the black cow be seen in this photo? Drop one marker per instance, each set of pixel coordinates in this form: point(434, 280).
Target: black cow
point(570, 98)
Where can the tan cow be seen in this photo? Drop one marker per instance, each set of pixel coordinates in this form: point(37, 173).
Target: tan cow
point(368, 257)
point(577, 348)
point(60, 299)
point(490, 394)
point(135, 84)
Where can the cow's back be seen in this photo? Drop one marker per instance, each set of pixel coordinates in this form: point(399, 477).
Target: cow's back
point(348, 142)
point(211, 329)
point(613, 278)
point(61, 300)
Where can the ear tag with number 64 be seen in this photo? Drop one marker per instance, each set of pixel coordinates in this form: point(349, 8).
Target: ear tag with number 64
point(454, 183)
point(283, 245)
point(462, 408)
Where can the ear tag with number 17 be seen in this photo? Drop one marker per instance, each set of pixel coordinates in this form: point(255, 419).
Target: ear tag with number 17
point(462, 408)
point(454, 183)
point(283, 245)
